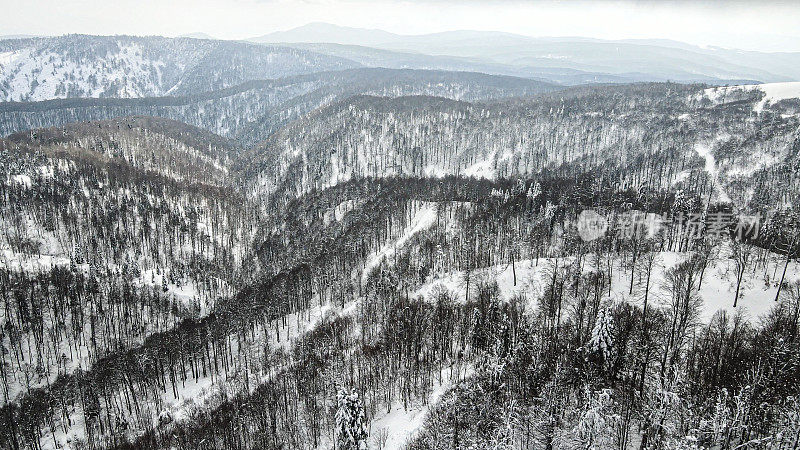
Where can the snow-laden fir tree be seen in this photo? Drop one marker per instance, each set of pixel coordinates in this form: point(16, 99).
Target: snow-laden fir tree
point(596, 425)
point(351, 432)
point(601, 343)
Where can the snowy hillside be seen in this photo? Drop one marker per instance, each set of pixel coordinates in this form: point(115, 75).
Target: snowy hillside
point(528, 278)
point(769, 93)
point(573, 129)
point(133, 217)
point(251, 111)
point(132, 67)
point(169, 148)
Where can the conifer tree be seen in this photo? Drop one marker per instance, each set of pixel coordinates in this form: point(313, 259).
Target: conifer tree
point(351, 432)
point(601, 342)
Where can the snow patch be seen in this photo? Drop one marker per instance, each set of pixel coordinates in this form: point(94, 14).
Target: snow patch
point(184, 293)
point(776, 92)
point(481, 169)
point(7, 58)
point(400, 425)
point(705, 151)
point(522, 278)
point(31, 75)
point(717, 291)
point(24, 262)
point(424, 218)
point(773, 92)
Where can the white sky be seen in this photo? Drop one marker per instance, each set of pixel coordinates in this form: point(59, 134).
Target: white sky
point(753, 25)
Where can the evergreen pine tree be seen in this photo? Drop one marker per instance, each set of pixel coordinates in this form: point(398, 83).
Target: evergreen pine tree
point(601, 342)
point(351, 432)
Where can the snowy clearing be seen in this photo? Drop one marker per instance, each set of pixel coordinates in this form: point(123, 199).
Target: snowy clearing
point(423, 219)
point(717, 289)
point(773, 92)
point(399, 426)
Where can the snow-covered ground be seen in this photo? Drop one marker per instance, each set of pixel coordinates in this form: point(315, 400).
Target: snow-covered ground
point(424, 218)
point(778, 91)
point(773, 92)
point(337, 213)
point(206, 391)
point(481, 169)
point(32, 76)
point(706, 152)
point(50, 249)
point(530, 280)
point(717, 289)
point(400, 425)
point(43, 251)
point(26, 262)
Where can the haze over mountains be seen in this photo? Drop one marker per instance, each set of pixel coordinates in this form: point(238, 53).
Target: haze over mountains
point(512, 54)
point(43, 68)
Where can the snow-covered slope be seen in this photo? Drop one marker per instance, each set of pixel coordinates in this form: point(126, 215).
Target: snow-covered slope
point(164, 146)
point(251, 111)
point(140, 205)
point(583, 129)
point(32, 75)
point(131, 67)
point(423, 218)
point(771, 93)
point(529, 278)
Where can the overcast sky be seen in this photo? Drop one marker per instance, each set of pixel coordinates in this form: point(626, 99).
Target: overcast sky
point(750, 25)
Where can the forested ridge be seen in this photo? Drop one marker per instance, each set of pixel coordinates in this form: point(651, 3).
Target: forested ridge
point(76, 65)
point(249, 112)
point(406, 271)
point(648, 136)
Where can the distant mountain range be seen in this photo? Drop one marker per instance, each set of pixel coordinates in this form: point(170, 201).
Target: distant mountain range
point(83, 66)
point(513, 54)
point(329, 33)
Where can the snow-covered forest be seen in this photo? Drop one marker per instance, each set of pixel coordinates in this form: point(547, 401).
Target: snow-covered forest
point(228, 245)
